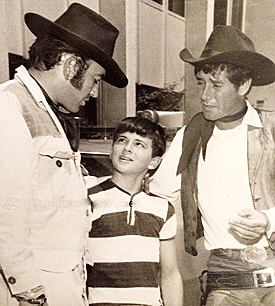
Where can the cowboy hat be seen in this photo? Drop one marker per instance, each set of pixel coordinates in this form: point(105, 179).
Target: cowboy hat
point(88, 32)
point(229, 45)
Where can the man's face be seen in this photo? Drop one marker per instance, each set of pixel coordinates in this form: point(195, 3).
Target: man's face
point(132, 153)
point(218, 96)
point(73, 97)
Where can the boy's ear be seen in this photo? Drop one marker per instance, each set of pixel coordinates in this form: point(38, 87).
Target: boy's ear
point(154, 162)
point(71, 67)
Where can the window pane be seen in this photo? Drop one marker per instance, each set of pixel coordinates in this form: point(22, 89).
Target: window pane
point(176, 6)
point(220, 12)
point(158, 1)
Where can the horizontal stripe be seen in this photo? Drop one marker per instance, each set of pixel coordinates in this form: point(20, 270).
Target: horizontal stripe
point(128, 296)
point(123, 275)
point(115, 224)
point(112, 198)
point(171, 211)
point(123, 249)
point(105, 185)
point(117, 304)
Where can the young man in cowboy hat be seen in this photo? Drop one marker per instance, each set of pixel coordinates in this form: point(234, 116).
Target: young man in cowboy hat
point(44, 209)
point(222, 164)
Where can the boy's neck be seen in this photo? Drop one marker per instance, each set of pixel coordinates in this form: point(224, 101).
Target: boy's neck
point(130, 183)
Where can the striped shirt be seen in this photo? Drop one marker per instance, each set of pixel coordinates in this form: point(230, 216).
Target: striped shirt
point(124, 246)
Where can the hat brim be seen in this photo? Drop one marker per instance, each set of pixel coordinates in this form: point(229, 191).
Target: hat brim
point(263, 69)
point(40, 26)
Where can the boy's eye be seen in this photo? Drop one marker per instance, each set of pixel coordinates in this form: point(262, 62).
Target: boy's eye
point(140, 144)
point(121, 140)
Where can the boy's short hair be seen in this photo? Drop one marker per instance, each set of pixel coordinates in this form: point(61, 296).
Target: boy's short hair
point(145, 128)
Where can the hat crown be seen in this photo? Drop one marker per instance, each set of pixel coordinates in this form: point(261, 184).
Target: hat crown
point(86, 31)
point(227, 38)
point(229, 45)
point(90, 26)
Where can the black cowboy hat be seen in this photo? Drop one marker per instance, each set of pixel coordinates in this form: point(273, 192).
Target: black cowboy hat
point(229, 45)
point(88, 32)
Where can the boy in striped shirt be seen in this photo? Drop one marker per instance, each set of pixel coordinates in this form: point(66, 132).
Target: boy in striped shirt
point(131, 255)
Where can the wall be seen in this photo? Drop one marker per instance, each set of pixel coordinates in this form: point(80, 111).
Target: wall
point(259, 26)
point(114, 99)
point(196, 25)
point(161, 37)
point(18, 38)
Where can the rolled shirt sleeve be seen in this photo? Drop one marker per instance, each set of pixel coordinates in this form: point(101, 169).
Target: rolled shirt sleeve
point(165, 182)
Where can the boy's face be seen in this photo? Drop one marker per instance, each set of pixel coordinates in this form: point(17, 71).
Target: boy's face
point(132, 154)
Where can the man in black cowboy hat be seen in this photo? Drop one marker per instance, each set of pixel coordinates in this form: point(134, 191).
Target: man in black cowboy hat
point(222, 163)
point(44, 210)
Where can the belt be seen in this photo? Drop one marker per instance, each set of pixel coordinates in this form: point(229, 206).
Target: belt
point(240, 280)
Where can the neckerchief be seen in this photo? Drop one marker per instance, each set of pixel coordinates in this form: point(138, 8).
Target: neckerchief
point(199, 127)
point(67, 120)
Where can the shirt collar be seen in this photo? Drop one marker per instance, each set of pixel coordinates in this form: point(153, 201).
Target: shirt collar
point(251, 117)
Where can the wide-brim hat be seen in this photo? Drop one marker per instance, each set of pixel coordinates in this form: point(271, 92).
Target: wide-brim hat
point(229, 45)
point(88, 32)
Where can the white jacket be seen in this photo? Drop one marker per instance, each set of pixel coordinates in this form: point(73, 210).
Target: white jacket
point(44, 209)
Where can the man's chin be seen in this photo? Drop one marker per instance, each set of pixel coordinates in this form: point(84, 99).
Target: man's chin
point(208, 117)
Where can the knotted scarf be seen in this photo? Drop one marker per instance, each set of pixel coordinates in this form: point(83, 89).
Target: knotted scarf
point(199, 127)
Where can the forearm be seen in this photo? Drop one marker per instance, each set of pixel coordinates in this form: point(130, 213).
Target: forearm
point(172, 289)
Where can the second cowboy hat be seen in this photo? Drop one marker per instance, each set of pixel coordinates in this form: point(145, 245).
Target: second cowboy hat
point(88, 32)
point(229, 45)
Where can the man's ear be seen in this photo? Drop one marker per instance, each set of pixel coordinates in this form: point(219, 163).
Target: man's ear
point(71, 67)
point(244, 88)
point(154, 162)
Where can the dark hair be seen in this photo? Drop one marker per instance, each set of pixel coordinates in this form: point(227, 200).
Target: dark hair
point(236, 75)
point(46, 52)
point(145, 128)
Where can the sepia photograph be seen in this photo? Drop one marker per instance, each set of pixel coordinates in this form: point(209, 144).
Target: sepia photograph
point(137, 153)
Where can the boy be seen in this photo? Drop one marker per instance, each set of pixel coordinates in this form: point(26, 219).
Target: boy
point(131, 253)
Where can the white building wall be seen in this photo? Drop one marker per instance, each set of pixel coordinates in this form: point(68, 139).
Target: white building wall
point(161, 38)
point(151, 44)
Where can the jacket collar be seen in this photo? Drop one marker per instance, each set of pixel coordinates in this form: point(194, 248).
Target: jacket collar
point(24, 76)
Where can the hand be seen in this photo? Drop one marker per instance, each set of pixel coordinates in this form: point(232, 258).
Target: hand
point(250, 226)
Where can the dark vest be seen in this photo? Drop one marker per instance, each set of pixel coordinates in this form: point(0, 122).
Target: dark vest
point(261, 165)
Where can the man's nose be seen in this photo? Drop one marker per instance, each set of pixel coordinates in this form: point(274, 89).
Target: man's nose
point(206, 93)
point(94, 91)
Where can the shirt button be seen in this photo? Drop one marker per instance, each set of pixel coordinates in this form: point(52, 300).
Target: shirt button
point(59, 163)
point(12, 280)
point(87, 213)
